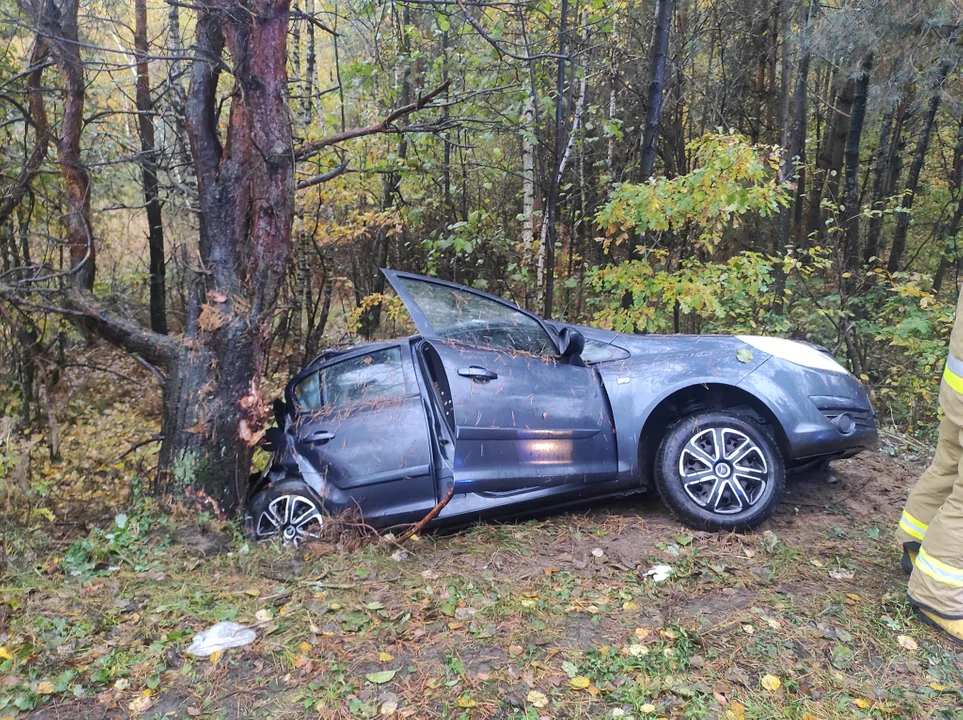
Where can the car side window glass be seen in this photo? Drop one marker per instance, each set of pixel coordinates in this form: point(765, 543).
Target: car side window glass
point(455, 314)
point(307, 393)
point(367, 378)
point(596, 352)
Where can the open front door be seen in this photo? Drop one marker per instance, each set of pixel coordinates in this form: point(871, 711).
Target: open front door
point(521, 416)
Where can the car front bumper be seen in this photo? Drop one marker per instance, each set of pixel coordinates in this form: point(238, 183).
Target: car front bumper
point(822, 414)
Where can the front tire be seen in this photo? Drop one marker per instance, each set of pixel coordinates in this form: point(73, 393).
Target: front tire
point(719, 471)
point(287, 511)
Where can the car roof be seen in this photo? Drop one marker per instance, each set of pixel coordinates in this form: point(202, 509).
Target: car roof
point(346, 350)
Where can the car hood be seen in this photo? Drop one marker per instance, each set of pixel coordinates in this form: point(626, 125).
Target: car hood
point(665, 344)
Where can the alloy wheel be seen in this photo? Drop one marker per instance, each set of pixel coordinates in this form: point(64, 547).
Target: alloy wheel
point(293, 518)
point(723, 470)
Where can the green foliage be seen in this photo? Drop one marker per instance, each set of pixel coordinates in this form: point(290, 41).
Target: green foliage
point(909, 334)
point(731, 178)
point(727, 296)
point(103, 551)
point(899, 325)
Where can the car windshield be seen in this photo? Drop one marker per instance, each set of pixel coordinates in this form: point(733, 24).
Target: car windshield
point(457, 314)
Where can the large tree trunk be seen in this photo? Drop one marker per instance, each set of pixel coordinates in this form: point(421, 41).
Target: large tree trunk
point(912, 181)
point(246, 197)
point(148, 168)
point(57, 22)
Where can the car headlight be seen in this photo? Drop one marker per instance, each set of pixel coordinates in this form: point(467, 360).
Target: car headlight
point(794, 352)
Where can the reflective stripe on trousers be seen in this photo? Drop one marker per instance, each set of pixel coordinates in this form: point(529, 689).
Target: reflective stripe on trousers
point(939, 570)
point(911, 526)
point(953, 374)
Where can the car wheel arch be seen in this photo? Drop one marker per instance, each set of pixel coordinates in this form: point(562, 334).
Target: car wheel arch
point(679, 403)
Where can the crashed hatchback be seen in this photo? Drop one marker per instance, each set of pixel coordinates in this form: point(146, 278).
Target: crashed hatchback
point(514, 414)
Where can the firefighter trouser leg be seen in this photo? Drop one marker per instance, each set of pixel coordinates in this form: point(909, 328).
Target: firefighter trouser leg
point(933, 487)
point(937, 580)
point(936, 584)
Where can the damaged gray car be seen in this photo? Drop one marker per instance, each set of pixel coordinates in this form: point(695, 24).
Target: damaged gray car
point(510, 414)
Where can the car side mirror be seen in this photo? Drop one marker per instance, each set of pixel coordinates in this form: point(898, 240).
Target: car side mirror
point(571, 344)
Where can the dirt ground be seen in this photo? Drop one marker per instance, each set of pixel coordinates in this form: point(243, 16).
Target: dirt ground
point(554, 617)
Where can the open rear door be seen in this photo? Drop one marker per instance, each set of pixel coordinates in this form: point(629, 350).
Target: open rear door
point(521, 416)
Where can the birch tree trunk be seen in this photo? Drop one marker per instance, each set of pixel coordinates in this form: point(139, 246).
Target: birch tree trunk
point(528, 177)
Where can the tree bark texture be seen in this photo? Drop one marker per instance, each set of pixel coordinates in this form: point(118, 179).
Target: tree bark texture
point(657, 62)
point(57, 23)
point(246, 198)
point(851, 204)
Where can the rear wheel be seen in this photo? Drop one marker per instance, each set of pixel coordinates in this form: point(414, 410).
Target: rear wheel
point(286, 511)
point(719, 471)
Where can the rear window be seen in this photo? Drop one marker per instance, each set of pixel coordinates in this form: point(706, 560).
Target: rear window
point(374, 377)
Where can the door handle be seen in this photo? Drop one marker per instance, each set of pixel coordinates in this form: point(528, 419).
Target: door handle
point(318, 437)
point(478, 374)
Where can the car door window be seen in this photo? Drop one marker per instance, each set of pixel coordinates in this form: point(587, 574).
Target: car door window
point(374, 377)
point(457, 314)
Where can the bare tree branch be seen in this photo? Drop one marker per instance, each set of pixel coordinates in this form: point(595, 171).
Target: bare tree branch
point(312, 148)
point(502, 51)
point(323, 177)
